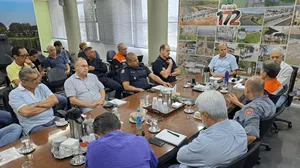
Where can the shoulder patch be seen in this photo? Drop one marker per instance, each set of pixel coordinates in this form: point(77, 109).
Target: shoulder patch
point(249, 111)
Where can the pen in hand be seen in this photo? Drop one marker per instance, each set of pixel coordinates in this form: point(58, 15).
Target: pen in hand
point(173, 133)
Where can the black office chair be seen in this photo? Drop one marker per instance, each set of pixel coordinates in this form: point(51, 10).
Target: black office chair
point(264, 127)
point(7, 107)
point(140, 58)
point(252, 155)
point(286, 100)
point(5, 47)
point(110, 55)
point(56, 78)
point(42, 59)
point(5, 60)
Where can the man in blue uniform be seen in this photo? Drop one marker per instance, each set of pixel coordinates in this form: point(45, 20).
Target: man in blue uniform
point(260, 106)
point(134, 76)
point(97, 67)
point(164, 66)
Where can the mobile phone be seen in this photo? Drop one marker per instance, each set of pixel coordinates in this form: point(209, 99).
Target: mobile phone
point(156, 142)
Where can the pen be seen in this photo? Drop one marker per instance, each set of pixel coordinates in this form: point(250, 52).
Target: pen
point(172, 133)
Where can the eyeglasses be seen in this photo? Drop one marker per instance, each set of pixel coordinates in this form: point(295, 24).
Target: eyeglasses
point(84, 66)
point(123, 49)
point(25, 55)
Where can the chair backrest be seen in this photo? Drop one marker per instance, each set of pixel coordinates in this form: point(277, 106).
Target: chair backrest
point(5, 60)
point(253, 150)
point(42, 59)
point(7, 107)
point(265, 125)
point(56, 77)
point(110, 55)
point(140, 58)
point(293, 79)
point(5, 47)
point(252, 154)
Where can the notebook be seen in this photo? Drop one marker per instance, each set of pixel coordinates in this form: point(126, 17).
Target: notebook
point(118, 102)
point(170, 137)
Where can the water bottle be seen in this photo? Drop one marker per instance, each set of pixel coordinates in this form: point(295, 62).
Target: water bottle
point(139, 119)
point(116, 112)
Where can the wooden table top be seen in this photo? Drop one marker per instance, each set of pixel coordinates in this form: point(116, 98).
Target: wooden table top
point(177, 121)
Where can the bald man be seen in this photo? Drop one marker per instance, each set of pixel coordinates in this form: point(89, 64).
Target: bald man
point(53, 61)
point(134, 76)
point(84, 89)
point(258, 107)
point(223, 62)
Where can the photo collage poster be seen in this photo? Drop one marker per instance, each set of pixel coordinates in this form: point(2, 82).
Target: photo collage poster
point(251, 29)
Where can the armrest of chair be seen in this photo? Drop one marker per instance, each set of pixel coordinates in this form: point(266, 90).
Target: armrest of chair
point(290, 97)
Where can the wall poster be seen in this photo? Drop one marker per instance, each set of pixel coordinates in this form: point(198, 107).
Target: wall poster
point(251, 28)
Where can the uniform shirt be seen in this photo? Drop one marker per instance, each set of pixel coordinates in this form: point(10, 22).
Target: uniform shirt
point(159, 64)
point(20, 97)
point(118, 62)
point(137, 77)
point(100, 68)
point(13, 71)
point(65, 55)
point(251, 114)
point(58, 62)
point(219, 144)
point(87, 90)
point(120, 150)
point(284, 74)
point(273, 86)
point(82, 55)
point(221, 65)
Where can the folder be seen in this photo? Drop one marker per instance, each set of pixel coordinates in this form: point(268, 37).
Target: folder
point(171, 137)
point(118, 102)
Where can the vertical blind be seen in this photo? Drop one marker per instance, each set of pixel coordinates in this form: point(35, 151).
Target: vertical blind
point(114, 21)
point(57, 20)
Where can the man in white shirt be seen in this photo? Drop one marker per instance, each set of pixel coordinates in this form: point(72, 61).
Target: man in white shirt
point(286, 70)
point(222, 142)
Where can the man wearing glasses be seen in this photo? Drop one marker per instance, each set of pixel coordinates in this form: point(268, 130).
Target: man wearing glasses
point(20, 60)
point(119, 61)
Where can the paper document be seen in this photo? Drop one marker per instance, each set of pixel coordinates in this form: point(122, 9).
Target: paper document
point(214, 78)
point(171, 137)
point(9, 155)
point(118, 102)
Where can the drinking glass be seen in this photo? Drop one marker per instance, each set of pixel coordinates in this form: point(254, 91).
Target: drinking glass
point(25, 139)
point(27, 164)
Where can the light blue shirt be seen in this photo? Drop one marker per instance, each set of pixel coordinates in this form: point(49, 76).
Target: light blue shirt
point(221, 65)
point(87, 90)
point(219, 144)
point(21, 97)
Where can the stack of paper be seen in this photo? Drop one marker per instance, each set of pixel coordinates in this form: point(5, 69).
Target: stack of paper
point(214, 78)
point(118, 102)
point(171, 137)
point(9, 155)
point(239, 86)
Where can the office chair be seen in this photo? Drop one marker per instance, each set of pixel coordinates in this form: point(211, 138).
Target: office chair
point(5, 47)
point(5, 60)
point(250, 156)
point(140, 58)
point(286, 100)
point(56, 78)
point(110, 55)
point(264, 127)
point(7, 107)
point(42, 59)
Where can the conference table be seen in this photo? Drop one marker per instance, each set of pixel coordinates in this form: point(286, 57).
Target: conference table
point(177, 121)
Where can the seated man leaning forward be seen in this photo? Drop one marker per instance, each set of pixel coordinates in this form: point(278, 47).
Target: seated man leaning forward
point(222, 142)
point(164, 66)
point(223, 62)
point(258, 107)
point(83, 88)
point(33, 102)
point(115, 148)
point(134, 76)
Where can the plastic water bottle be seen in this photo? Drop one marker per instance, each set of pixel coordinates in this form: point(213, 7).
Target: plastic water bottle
point(139, 120)
point(116, 112)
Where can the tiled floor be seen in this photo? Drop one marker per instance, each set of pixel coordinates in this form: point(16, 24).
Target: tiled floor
point(285, 145)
